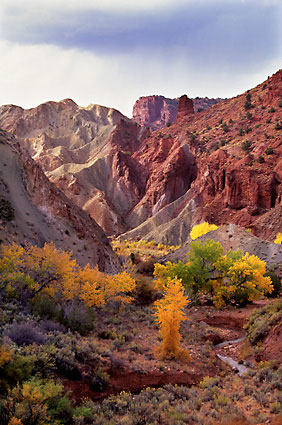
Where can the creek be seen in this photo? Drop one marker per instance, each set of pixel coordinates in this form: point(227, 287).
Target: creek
point(242, 369)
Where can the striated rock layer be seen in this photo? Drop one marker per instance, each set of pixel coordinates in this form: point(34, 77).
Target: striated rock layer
point(237, 148)
point(42, 213)
point(222, 164)
point(96, 157)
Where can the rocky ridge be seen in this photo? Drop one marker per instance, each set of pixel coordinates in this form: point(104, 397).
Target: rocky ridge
point(40, 212)
point(221, 165)
point(236, 146)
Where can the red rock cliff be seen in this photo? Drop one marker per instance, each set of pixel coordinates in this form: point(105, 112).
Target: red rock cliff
point(185, 106)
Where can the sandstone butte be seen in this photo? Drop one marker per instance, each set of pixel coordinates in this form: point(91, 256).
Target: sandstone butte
point(156, 112)
point(222, 164)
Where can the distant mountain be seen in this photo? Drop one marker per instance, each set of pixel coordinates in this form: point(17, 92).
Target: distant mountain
point(156, 112)
point(33, 210)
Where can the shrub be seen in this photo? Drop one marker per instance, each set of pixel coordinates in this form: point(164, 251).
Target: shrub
point(246, 145)
point(201, 229)
point(79, 318)
point(6, 210)
point(247, 105)
point(18, 369)
point(261, 320)
point(145, 291)
point(51, 326)
point(99, 381)
point(276, 283)
point(67, 366)
point(27, 404)
point(44, 306)
point(261, 159)
point(272, 110)
point(278, 239)
point(269, 151)
point(61, 409)
point(225, 128)
point(26, 334)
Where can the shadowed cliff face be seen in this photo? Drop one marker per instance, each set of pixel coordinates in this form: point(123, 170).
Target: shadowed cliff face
point(42, 213)
point(222, 164)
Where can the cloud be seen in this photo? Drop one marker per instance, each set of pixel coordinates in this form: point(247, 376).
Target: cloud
point(31, 75)
point(206, 32)
point(113, 51)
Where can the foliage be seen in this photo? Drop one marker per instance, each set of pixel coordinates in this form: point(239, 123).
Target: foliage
point(278, 125)
point(269, 150)
point(47, 270)
point(201, 229)
point(276, 283)
point(145, 291)
point(261, 320)
point(6, 210)
point(225, 128)
point(28, 403)
point(169, 314)
point(244, 280)
point(247, 145)
point(229, 278)
point(142, 248)
point(278, 239)
point(25, 333)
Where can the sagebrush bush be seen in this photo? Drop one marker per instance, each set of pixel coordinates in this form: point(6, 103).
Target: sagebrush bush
point(79, 318)
point(261, 321)
point(99, 381)
point(26, 334)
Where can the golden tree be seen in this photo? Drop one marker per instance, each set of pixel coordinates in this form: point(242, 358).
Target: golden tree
point(242, 280)
point(54, 272)
point(201, 229)
point(278, 239)
point(169, 314)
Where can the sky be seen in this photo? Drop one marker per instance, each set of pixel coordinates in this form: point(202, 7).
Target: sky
point(111, 52)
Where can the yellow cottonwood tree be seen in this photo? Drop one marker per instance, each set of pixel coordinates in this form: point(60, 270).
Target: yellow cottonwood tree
point(201, 229)
point(278, 238)
point(53, 271)
point(242, 281)
point(169, 314)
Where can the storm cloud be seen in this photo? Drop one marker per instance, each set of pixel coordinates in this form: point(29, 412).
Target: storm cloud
point(160, 47)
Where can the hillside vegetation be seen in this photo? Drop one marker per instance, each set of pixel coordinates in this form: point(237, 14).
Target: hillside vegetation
point(73, 335)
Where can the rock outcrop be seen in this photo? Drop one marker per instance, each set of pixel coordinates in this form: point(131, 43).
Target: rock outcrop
point(156, 112)
point(238, 161)
point(40, 212)
point(185, 106)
